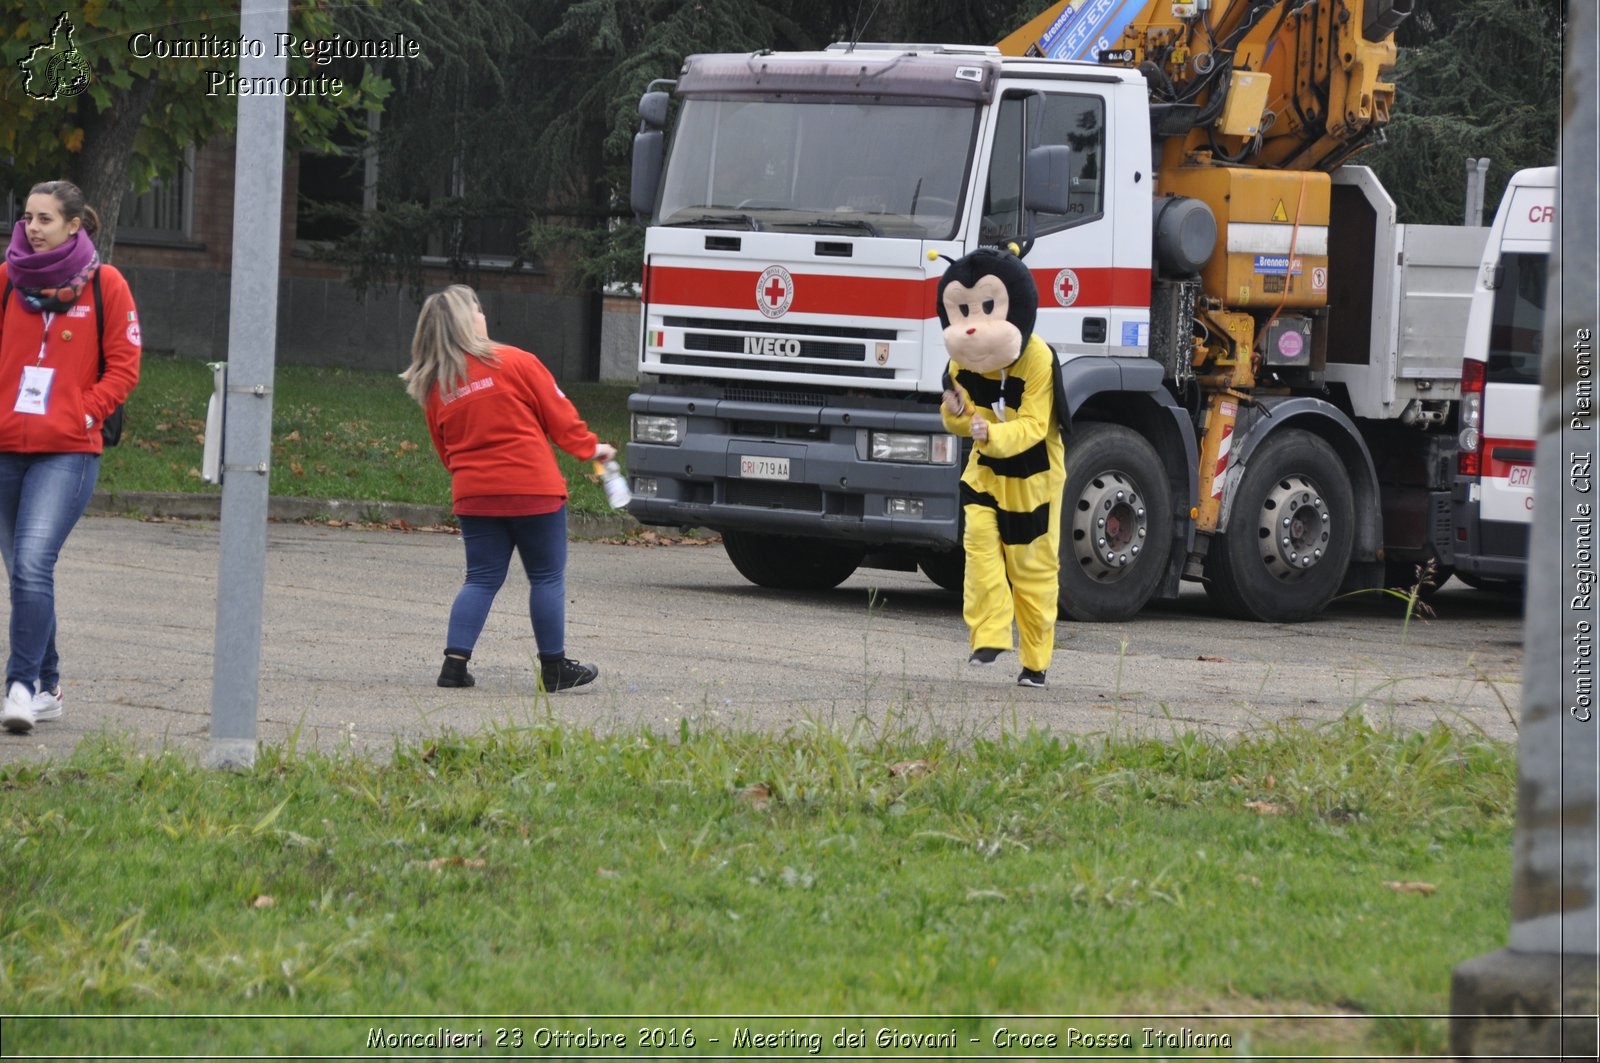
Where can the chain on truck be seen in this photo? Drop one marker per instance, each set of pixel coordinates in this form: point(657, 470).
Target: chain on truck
point(1262, 367)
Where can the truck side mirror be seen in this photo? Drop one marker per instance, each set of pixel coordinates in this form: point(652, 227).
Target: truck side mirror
point(1049, 186)
point(647, 150)
point(653, 110)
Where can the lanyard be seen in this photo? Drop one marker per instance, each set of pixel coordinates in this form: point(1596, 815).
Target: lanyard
point(43, 340)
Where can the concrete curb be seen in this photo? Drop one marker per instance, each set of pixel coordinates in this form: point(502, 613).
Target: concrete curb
point(179, 505)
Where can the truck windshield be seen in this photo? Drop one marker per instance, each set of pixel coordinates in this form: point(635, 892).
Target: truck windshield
point(844, 166)
point(1516, 330)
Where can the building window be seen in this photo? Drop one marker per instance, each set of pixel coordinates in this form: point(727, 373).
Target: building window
point(165, 212)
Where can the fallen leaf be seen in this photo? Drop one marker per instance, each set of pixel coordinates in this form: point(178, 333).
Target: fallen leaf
point(1264, 808)
point(1271, 782)
point(1249, 880)
point(263, 901)
point(1424, 888)
point(1238, 780)
point(1216, 660)
point(909, 768)
point(293, 437)
point(606, 872)
point(296, 468)
point(439, 863)
point(759, 796)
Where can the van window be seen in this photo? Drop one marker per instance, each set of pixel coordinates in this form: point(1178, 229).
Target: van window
point(1516, 331)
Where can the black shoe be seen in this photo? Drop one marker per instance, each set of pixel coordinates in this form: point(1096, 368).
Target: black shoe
point(984, 655)
point(1030, 678)
point(564, 673)
point(455, 674)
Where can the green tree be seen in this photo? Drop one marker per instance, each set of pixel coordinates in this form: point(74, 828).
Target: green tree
point(1475, 78)
point(128, 115)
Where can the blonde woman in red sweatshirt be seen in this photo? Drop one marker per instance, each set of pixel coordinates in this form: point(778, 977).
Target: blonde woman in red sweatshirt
point(493, 410)
point(62, 308)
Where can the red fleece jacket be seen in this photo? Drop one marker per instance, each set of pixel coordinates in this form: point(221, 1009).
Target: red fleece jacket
point(74, 353)
point(493, 432)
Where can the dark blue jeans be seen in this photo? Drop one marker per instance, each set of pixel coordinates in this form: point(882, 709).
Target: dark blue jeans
point(41, 498)
point(541, 542)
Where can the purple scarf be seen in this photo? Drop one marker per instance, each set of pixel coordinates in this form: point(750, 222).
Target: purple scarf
point(49, 281)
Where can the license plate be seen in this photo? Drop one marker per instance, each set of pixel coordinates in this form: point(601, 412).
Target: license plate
point(760, 468)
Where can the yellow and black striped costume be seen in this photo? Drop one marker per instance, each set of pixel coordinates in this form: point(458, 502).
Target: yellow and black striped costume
point(1011, 498)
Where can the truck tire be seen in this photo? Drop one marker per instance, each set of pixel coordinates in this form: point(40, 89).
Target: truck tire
point(1289, 534)
point(790, 563)
point(1116, 523)
point(948, 570)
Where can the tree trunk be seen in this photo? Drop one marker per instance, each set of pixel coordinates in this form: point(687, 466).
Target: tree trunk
point(101, 168)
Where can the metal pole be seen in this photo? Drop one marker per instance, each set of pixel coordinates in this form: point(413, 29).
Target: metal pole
point(1477, 176)
point(247, 446)
point(1550, 967)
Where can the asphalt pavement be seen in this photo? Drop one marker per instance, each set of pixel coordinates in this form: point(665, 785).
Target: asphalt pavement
point(354, 621)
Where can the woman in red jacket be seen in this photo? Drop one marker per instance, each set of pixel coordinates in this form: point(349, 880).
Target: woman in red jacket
point(51, 340)
point(492, 411)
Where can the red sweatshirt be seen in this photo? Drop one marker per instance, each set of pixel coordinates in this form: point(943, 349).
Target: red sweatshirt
point(493, 432)
point(73, 351)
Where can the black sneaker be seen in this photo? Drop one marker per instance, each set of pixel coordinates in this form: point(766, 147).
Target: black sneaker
point(455, 674)
point(984, 655)
point(565, 673)
point(1030, 678)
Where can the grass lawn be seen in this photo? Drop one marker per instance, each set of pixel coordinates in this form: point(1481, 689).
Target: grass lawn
point(336, 433)
point(868, 874)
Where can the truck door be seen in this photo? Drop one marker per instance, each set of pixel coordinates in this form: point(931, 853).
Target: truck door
point(1084, 295)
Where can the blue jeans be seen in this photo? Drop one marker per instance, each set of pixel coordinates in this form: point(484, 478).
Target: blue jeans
point(541, 542)
point(41, 498)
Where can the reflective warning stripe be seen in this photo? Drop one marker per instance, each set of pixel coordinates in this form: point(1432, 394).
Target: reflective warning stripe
point(1223, 448)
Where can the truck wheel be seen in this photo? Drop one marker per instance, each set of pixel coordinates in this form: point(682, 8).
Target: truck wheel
point(1402, 576)
point(947, 569)
point(1288, 539)
point(789, 563)
point(1116, 524)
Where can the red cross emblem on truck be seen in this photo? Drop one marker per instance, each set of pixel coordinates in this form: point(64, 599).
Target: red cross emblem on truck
point(774, 291)
point(1066, 287)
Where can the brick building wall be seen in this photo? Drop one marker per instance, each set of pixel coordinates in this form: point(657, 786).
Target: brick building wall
point(182, 288)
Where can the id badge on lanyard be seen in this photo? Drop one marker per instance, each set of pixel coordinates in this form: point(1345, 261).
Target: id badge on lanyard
point(34, 394)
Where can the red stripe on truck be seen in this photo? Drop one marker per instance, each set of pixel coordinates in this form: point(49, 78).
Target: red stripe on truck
point(865, 296)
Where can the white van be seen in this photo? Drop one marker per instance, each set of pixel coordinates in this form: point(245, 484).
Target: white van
point(1499, 414)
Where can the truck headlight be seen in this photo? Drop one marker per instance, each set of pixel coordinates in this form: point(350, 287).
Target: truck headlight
point(913, 447)
point(651, 428)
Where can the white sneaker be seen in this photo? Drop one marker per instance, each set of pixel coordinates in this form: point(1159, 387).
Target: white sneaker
point(47, 704)
point(17, 715)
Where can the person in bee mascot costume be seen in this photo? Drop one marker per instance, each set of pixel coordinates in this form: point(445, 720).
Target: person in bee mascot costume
point(1000, 390)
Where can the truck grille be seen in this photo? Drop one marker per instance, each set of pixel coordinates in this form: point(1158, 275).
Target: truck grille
point(727, 344)
point(803, 497)
point(787, 365)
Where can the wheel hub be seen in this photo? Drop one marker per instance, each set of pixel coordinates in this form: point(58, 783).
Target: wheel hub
point(1109, 526)
point(1294, 526)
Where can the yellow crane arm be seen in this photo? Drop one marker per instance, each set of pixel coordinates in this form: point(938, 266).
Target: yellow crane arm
point(1285, 84)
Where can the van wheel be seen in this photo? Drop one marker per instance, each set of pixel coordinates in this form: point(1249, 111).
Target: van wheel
point(1289, 534)
point(1116, 524)
point(791, 563)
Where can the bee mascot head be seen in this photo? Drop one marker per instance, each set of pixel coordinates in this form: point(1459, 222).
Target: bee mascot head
point(987, 305)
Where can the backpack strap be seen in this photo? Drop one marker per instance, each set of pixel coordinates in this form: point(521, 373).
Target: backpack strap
point(99, 322)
